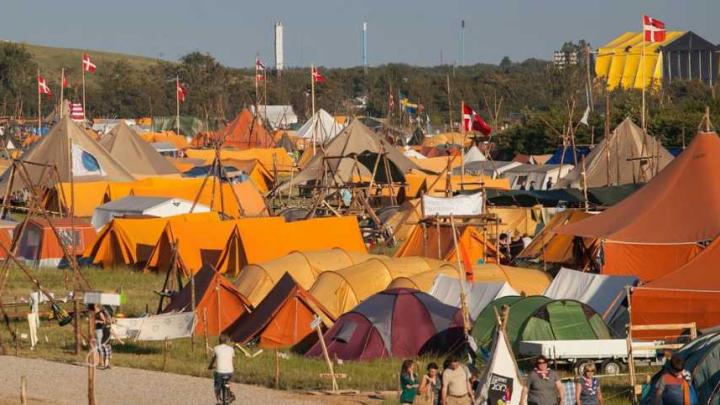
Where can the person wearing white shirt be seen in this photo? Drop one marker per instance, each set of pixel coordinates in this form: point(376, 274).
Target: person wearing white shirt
point(33, 318)
point(222, 361)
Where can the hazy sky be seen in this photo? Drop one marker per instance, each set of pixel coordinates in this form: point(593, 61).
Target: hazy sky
point(327, 32)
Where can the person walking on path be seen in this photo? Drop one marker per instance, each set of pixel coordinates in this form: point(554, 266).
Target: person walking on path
point(587, 388)
point(456, 388)
point(408, 382)
point(543, 387)
point(430, 385)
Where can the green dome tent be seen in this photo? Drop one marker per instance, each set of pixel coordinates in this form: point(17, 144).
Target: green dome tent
point(541, 318)
point(702, 360)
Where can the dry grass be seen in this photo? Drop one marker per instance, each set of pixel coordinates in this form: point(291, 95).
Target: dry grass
point(296, 371)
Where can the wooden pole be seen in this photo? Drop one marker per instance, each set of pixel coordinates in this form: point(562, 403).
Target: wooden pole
point(312, 96)
point(76, 324)
point(642, 73)
point(165, 354)
point(91, 364)
point(39, 101)
point(607, 135)
point(450, 123)
point(177, 104)
point(62, 91)
point(23, 390)
point(462, 146)
point(461, 279)
point(192, 303)
point(205, 331)
point(82, 67)
point(631, 361)
point(327, 358)
point(277, 370)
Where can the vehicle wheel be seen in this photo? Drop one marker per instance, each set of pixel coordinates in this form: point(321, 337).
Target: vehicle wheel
point(611, 367)
point(579, 366)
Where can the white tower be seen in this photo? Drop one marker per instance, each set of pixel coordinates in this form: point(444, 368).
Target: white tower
point(279, 59)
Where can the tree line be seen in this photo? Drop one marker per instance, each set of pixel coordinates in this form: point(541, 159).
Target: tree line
point(532, 101)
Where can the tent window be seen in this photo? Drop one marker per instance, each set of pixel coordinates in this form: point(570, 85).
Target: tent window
point(346, 331)
point(69, 237)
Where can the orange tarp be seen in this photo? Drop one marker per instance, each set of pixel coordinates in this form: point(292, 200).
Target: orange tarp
point(271, 158)
point(262, 240)
point(551, 247)
point(426, 242)
point(679, 205)
point(647, 262)
point(87, 197)
point(166, 136)
point(417, 183)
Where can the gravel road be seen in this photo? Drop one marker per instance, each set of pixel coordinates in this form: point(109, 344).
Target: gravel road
point(58, 383)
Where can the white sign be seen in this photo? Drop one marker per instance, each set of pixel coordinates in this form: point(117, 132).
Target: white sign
point(462, 205)
point(315, 322)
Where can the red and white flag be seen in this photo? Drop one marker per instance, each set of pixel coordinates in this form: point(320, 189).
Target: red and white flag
point(259, 70)
point(181, 91)
point(653, 29)
point(76, 112)
point(87, 64)
point(317, 77)
point(43, 87)
point(472, 121)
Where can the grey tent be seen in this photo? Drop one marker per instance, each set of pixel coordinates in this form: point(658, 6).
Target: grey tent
point(69, 149)
point(628, 156)
point(337, 160)
point(138, 156)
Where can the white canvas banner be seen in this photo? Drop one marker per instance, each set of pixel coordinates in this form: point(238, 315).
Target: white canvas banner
point(462, 205)
point(156, 327)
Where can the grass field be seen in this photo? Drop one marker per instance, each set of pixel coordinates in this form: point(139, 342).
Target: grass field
point(296, 371)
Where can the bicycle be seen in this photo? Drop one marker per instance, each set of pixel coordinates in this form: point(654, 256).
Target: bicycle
point(226, 395)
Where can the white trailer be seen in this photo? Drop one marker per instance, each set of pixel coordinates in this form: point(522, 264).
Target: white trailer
point(608, 354)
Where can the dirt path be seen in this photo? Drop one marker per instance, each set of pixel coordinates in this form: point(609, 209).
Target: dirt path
point(58, 383)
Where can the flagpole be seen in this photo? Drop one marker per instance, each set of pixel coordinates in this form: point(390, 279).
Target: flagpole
point(257, 94)
point(265, 93)
point(62, 90)
point(83, 86)
point(462, 145)
point(177, 104)
point(312, 95)
point(39, 101)
point(642, 66)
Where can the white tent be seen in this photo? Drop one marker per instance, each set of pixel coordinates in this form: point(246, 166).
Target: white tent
point(479, 295)
point(148, 206)
point(500, 380)
point(602, 293)
point(322, 127)
point(278, 116)
point(474, 155)
point(412, 153)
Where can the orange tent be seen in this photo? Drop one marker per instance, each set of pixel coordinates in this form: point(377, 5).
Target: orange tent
point(245, 132)
point(39, 244)
point(260, 241)
point(271, 158)
point(691, 293)
point(178, 141)
point(437, 243)
point(7, 230)
point(551, 247)
point(676, 209)
point(283, 318)
point(217, 303)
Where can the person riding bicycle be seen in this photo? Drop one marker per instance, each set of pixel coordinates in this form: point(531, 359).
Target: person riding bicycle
point(222, 361)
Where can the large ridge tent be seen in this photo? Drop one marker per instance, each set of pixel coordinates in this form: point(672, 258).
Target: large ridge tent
point(478, 295)
point(628, 155)
point(217, 303)
point(133, 152)
point(282, 319)
point(320, 128)
point(73, 153)
point(657, 229)
point(689, 294)
point(245, 132)
point(541, 318)
point(161, 207)
point(702, 360)
point(394, 323)
point(256, 280)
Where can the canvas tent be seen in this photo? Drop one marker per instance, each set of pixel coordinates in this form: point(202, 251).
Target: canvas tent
point(256, 280)
point(39, 245)
point(320, 128)
point(656, 230)
point(282, 319)
point(7, 233)
point(478, 295)
point(245, 132)
point(527, 176)
point(217, 303)
point(161, 207)
point(278, 116)
point(550, 247)
point(73, 153)
point(337, 162)
point(135, 154)
point(541, 318)
point(394, 323)
point(438, 243)
point(702, 360)
point(474, 155)
point(628, 155)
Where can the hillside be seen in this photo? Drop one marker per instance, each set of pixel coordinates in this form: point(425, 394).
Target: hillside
point(52, 59)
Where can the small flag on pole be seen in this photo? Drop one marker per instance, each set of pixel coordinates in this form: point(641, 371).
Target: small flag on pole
point(65, 83)
point(472, 121)
point(88, 65)
point(181, 92)
point(43, 87)
point(653, 29)
point(259, 70)
point(317, 76)
point(586, 117)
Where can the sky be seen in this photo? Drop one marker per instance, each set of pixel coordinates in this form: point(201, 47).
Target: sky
point(328, 32)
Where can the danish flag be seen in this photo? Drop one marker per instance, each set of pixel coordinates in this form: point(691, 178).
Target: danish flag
point(317, 77)
point(43, 87)
point(259, 70)
point(472, 121)
point(181, 91)
point(87, 64)
point(653, 29)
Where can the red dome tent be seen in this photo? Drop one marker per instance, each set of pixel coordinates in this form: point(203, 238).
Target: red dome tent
point(394, 323)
